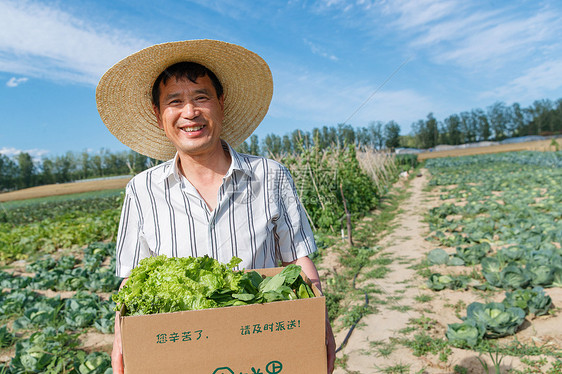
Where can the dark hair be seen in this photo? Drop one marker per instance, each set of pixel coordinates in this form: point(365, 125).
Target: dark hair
point(188, 70)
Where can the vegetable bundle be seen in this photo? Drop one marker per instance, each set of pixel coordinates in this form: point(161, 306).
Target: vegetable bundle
point(162, 285)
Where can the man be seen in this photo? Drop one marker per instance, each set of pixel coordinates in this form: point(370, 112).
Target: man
point(189, 103)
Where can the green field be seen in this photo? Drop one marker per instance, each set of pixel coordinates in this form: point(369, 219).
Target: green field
point(497, 225)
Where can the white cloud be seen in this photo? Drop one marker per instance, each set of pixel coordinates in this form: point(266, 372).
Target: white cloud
point(35, 153)
point(477, 36)
point(452, 31)
point(14, 82)
point(42, 41)
point(415, 14)
point(317, 50)
point(328, 100)
point(532, 84)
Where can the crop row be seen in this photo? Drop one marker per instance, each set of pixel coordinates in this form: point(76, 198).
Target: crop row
point(503, 215)
point(67, 273)
point(60, 321)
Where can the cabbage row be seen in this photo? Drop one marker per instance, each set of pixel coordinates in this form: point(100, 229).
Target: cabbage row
point(503, 217)
point(496, 320)
point(69, 274)
point(59, 321)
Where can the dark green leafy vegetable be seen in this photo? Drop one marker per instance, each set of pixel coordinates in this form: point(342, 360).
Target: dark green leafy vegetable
point(94, 363)
point(439, 282)
point(534, 301)
point(473, 254)
point(6, 337)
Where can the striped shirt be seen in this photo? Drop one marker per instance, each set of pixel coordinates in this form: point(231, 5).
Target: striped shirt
point(258, 216)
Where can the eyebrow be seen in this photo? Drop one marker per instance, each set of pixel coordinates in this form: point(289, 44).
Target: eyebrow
point(175, 95)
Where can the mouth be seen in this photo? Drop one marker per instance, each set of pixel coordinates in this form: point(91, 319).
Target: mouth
point(192, 128)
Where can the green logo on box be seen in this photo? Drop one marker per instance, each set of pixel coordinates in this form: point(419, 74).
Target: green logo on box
point(224, 370)
point(274, 367)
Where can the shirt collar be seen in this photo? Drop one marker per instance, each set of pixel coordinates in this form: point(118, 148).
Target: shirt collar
point(237, 161)
point(236, 164)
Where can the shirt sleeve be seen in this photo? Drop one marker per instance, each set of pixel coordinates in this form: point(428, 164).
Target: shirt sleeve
point(293, 232)
point(131, 246)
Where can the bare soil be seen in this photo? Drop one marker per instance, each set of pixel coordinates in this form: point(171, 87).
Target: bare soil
point(406, 244)
point(539, 145)
point(64, 189)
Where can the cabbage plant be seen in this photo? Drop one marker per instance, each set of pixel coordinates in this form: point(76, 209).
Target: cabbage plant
point(491, 269)
point(438, 257)
point(557, 277)
point(473, 255)
point(534, 301)
point(510, 254)
point(497, 319)
point(438, 282)
point(541, 274)
point(465, 334)
point(514, 276)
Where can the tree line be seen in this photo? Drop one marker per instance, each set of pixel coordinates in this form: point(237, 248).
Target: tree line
point(497, 122)
point(22, 171)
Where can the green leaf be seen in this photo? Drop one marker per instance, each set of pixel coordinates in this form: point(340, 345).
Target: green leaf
point(273, 283)
point(438, 257)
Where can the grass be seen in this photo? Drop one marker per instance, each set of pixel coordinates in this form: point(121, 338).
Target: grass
point(377, 273)
point(383, 349)
point(382, 260)
point(423, 322)
point(458, 307)
point(423, 344)
point(423, 298)
point(395, 369)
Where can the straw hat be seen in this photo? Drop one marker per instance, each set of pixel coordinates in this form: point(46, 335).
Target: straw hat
point(124, 92)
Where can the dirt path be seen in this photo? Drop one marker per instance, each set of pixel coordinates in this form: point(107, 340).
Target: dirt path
point(405, 245)
point(405, 307)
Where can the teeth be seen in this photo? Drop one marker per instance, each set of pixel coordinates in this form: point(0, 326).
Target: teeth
point(190, 129)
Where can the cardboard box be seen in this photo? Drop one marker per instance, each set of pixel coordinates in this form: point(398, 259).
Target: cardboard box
point(283, 337)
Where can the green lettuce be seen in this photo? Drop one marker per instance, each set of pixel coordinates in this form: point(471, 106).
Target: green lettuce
point(162, 285)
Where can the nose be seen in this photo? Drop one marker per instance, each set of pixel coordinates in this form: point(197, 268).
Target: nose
point(190, 111)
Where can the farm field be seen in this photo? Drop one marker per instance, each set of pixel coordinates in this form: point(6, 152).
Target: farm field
point(539, 145)
point(64, 189)
point(459, 231)
point(477, 229)
point(57, 262)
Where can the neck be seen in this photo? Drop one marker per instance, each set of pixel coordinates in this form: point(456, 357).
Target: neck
point(206, 167)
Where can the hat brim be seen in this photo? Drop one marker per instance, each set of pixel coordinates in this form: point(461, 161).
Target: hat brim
point(124, 92)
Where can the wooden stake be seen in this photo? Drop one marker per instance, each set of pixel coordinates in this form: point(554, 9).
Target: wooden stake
point(348, 216)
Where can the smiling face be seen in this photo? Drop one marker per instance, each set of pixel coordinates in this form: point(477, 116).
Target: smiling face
point(191, 114)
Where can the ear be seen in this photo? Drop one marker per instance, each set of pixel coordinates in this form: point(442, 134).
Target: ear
point(158, 116)
point(221, 102)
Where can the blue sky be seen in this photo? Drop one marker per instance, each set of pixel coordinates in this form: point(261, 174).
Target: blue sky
point(328, 57)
